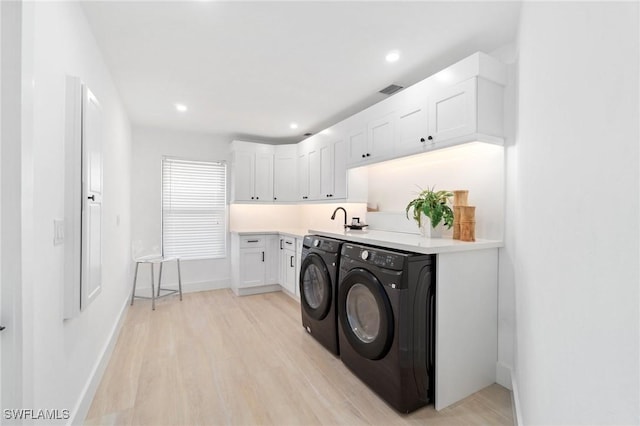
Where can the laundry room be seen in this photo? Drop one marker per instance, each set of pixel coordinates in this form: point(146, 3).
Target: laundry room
point(355, 213)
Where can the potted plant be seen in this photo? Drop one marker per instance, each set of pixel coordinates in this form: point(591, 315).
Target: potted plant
point(429, 209)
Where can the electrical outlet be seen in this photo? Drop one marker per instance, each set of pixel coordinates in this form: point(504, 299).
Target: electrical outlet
point(58, 232)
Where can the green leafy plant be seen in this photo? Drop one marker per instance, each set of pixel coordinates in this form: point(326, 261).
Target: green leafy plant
point(433, 204)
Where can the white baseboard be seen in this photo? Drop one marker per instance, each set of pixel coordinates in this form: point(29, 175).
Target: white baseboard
point(515, 400)
point(190, 287)
point(81, 409)
point(256, 290)
point(503, 375)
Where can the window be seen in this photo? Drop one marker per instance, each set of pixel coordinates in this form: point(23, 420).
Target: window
point(194, 198)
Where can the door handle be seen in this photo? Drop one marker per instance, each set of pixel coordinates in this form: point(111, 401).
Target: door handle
point(263, 256)
point(2, 327)
point(91, 197)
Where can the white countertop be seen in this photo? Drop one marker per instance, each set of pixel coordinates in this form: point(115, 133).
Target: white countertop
point(408, 242)
point(293, 232)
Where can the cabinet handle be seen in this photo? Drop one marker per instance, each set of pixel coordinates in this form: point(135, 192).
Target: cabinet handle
point(252, 198)
point(363, 155)
point(291, 261)
point(257, 198)
point(368, 155)
point(263, 256)
point(421, 139)
point(92, 198)
point(253, 241)
point(275, 198)
point(288, 242)
point(281, 243)
point(430, 138)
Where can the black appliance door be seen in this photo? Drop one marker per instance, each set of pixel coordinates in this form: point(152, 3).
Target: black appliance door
point(315, 287)
point(365, 314)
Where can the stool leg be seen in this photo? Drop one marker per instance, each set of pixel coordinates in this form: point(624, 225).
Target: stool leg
point(135, 278)
point(160, 278)
point(153, 292)
point(179, 278)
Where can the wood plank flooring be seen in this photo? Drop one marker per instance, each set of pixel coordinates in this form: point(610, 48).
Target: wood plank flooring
point(219, 359)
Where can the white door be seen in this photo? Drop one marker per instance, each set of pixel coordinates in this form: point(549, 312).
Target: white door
point(252, 267)
point(381, 133)
point(339, 169)
point(412, 129)
point(92, 199)
point(356, 145)
point(244, 174)
point(326, 170)
point(452, 111)
point(284, 187)
point(263, 183)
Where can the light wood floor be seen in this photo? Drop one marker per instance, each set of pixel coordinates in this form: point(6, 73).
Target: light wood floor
point(219, 359)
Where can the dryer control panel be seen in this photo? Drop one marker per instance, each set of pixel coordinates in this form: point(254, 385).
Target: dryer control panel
point(374, 256)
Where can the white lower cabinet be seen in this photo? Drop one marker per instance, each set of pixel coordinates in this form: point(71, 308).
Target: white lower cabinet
point(262, 263)
point(288, 264)
point(254, 263)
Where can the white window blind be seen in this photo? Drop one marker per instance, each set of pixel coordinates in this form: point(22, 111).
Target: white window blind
point(194, 198)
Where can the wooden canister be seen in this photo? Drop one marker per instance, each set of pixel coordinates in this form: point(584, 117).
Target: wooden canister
point(460, 197)
point(468, 231)
point(456, 230)
point(466, 214)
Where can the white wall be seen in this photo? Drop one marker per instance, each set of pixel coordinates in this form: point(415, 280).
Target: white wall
point(247, 217)
point(577, 215)
point(477, 167)
point(65, 354)
point(149, 146)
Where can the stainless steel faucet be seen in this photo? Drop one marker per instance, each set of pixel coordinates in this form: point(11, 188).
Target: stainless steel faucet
point(333, 216)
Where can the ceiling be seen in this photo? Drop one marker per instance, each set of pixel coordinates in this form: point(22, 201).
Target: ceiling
point(248, 69)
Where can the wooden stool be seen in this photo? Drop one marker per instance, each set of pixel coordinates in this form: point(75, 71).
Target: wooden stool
point(152, 260)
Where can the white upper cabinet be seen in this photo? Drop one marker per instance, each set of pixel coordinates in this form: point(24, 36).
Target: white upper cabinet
point(463, 103)
point(467, 111)
point(412, 128)
point(252, 172)
point(285, 173)
point(356, 145)
point(303, 174)
point(244, 175)
point(263, 181)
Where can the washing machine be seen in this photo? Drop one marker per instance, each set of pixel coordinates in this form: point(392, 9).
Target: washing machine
point(318, 289)
point(386, 322)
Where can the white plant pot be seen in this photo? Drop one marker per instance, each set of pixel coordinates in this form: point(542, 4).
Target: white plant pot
point(428, 231)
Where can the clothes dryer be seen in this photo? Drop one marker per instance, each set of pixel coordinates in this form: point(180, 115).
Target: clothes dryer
point(386, 326)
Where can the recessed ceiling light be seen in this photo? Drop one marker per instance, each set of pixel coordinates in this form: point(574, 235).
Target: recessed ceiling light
point(293, 125)
point(181, 107)
point(392, 56)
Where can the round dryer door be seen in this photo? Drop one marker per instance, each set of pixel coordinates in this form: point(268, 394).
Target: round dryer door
point(365, 314)
point(315, 287)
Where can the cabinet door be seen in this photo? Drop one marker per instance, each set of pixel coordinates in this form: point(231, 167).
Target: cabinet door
point(290, 272)
point(339, 169)
point(326, 170)
point(381, 134)
point(356, 146)
point(303, 176)
point(284, 187)
point(271, 256)
point(314, 174)
point(412, 129)
point(252, 267)
point(263, 180)
point(244, 169)
point(452, 111)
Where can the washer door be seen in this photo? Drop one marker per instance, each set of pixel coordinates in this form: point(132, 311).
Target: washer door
point(315, 287)
point(365, 314)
